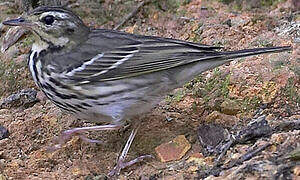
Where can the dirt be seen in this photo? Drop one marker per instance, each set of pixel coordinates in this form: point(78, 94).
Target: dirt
point(265, 85)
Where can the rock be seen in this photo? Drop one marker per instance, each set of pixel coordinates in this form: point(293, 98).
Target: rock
point(196, 158)
point(178, 176)
point(41, 96)
point(25, 98)
point(296, 171)
point(3, 133)
point(210, 136)
point(173, 150)
point(230, 107)
point(278, 138)
point(220, 118)
point(2, 177)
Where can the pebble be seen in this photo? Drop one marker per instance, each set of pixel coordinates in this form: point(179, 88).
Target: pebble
point(173, 150)
point(3, 133)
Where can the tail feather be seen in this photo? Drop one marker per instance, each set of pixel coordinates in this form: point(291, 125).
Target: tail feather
point(215, 59)
point(251, 52)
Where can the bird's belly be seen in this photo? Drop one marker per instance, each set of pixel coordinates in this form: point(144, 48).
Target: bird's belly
point(99, 104)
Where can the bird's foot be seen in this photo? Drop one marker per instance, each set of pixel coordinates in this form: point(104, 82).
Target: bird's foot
point(121, 164)
point(67, 135)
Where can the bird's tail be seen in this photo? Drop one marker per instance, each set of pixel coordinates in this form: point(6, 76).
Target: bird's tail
point(251, 52)
point(215, 59)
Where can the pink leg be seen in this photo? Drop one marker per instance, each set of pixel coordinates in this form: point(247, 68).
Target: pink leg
point(121, 164)
point(68, 134)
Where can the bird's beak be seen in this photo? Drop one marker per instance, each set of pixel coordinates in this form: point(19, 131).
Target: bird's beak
point(18, 22)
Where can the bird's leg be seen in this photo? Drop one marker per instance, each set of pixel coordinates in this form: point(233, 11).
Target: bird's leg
point(121, 164)
point(68, 134)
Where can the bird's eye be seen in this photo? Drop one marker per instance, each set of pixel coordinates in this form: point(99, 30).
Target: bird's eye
point(48, 19)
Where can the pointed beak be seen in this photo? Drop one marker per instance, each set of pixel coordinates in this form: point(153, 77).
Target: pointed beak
point(18, 22)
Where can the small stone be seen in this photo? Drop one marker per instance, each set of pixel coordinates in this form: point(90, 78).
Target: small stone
point(210, 136)
point(2, 177)
point(196, 158)
point(193, 169)
point(25, 98)
point(278, 138)
point(41, 96)
point(272, 148)
point(173, 177)
point(3, 133)
point(220, 118)
point(230, 107)
point(173, 150)
point(209, 160)
point(294, 117)
point(296, 170)
point(269, 117)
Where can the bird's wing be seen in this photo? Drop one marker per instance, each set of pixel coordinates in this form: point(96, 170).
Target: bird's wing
point(110, 55)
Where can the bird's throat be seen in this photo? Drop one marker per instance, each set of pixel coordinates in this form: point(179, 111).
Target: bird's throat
point(39, 45)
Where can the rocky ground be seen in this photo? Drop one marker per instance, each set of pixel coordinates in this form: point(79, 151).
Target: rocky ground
point(239, 121)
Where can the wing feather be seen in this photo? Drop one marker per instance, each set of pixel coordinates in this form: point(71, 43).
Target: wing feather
point(116, 55)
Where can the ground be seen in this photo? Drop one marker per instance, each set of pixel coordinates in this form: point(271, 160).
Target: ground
point(230, 96)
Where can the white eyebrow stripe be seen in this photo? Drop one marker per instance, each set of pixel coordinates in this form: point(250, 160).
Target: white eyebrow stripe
point(56, 14)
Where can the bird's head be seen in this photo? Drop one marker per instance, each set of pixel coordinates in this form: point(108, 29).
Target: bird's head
point(55, 26)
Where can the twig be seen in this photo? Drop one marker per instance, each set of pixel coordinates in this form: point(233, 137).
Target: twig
point(253, 152)
point(141, 4)
point(224, 150)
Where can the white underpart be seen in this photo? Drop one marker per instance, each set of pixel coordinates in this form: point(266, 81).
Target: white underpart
point(71, 73)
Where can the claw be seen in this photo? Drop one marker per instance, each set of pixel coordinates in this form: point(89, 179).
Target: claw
point(121, 165)
point(85, 139)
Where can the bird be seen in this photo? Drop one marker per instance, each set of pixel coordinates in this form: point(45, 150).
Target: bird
point(107, 76)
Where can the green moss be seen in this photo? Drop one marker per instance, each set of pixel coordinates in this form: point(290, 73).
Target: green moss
point(226, 1)
point(296, 70)
point(214, 88)
point(10, 11)
point(11, 77)
point(177, 96)
point(238, 4)
point(249, 104)
point(291, 91)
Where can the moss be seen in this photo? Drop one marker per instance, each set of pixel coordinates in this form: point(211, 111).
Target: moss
point(12, 77)
point(10, 11)
point(239, 4)
point(291, 91)
point(177, 96)
point(296, 70)
point(249, 104)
